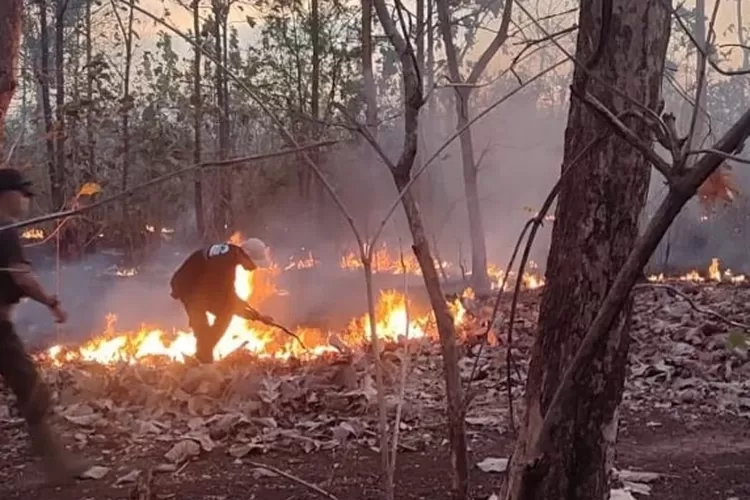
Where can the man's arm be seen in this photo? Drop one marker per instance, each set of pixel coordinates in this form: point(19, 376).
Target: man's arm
point(20, 269)
point(29, 284)
point(244, 260)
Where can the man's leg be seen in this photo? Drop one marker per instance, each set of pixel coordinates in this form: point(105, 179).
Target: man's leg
point(218, 328)
point(204, 345)
point(33, 399)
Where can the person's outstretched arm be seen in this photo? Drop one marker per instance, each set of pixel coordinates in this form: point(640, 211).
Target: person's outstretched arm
point(12, 257)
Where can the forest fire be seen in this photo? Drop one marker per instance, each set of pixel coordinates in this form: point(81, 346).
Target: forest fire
point(394, 322)
point(713, 274)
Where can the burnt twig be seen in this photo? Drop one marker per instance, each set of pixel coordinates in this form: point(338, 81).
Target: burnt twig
point(320, 491)
point(708, 312)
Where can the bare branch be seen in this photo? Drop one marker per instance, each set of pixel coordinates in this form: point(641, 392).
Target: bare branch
point(690, 35)
point(626, 133)
point(453, 137)
point(275, 119)
point(494, 46)
point(320, 491)
point(722, 154)
point(161, 179)
point(590, 73)
point(702, 57)
point(673, 290)
point(679, 194)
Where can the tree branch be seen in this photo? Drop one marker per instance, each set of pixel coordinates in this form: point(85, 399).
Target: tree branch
point(267, 111)
point(161, 179)
point(624, 131)
point(690, 35)
point(680, 192)
point(494, 46)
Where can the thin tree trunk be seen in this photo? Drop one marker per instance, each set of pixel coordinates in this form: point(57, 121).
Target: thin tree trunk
point(371, 100)
point(413, 100)
point(59, 128)
point(741, 37)
point(315, 105)
point(90, 138)
point(596, 225)
point(462, 100)
point(197, 122)
point(126, 104)
point(10, 43)
point(222, 216)
point(44, 77)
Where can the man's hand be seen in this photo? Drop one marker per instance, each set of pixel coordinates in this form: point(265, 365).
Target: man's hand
point(57, 312)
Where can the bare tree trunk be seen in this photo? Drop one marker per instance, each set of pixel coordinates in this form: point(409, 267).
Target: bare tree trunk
point(462, 99)
point(90, 139)
point(44, 77)
point(596, 225)
point(10, 43)
point(222, 216)
point(315, 106)
point(59, 128)
point(741, 37)
point(371, 99)
point(126, 103)
point(413, 100)
point(197, 122)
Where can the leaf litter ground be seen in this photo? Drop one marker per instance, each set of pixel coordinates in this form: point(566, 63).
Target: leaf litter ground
point(183, 431)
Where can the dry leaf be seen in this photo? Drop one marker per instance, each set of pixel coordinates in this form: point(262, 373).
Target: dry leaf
point(95, 472)
point(240, 450)
point(89, 189)
point(129, 478)
point(183, 450)
point(491, 464)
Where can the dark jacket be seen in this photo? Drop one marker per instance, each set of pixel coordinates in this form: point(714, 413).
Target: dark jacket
point(207, 275)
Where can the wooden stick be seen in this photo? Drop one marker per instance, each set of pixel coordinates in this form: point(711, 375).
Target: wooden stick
point(320, 491)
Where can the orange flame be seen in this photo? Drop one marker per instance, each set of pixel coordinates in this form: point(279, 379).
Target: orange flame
point(391, 316)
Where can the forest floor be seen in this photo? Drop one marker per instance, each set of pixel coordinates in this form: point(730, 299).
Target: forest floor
point(187, 432)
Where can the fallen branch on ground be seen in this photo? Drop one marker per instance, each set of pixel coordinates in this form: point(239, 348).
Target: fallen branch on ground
point(674, 290)
point(317, 489)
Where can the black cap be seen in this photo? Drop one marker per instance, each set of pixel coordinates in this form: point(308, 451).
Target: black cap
point(13, 180)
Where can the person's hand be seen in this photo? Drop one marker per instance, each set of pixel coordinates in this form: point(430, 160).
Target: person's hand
point(58, 313)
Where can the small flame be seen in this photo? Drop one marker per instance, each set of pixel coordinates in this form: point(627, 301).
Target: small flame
point(304, 263)
point(33, 234)
point(127, 272)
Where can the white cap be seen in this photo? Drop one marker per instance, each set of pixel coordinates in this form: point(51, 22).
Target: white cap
point(257, 251)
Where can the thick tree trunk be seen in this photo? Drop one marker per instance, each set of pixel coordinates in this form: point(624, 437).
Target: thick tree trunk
point(595, 227)
point(10, 44)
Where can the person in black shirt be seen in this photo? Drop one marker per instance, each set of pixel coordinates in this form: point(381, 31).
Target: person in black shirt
point(205, 283)
point(17, 281)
